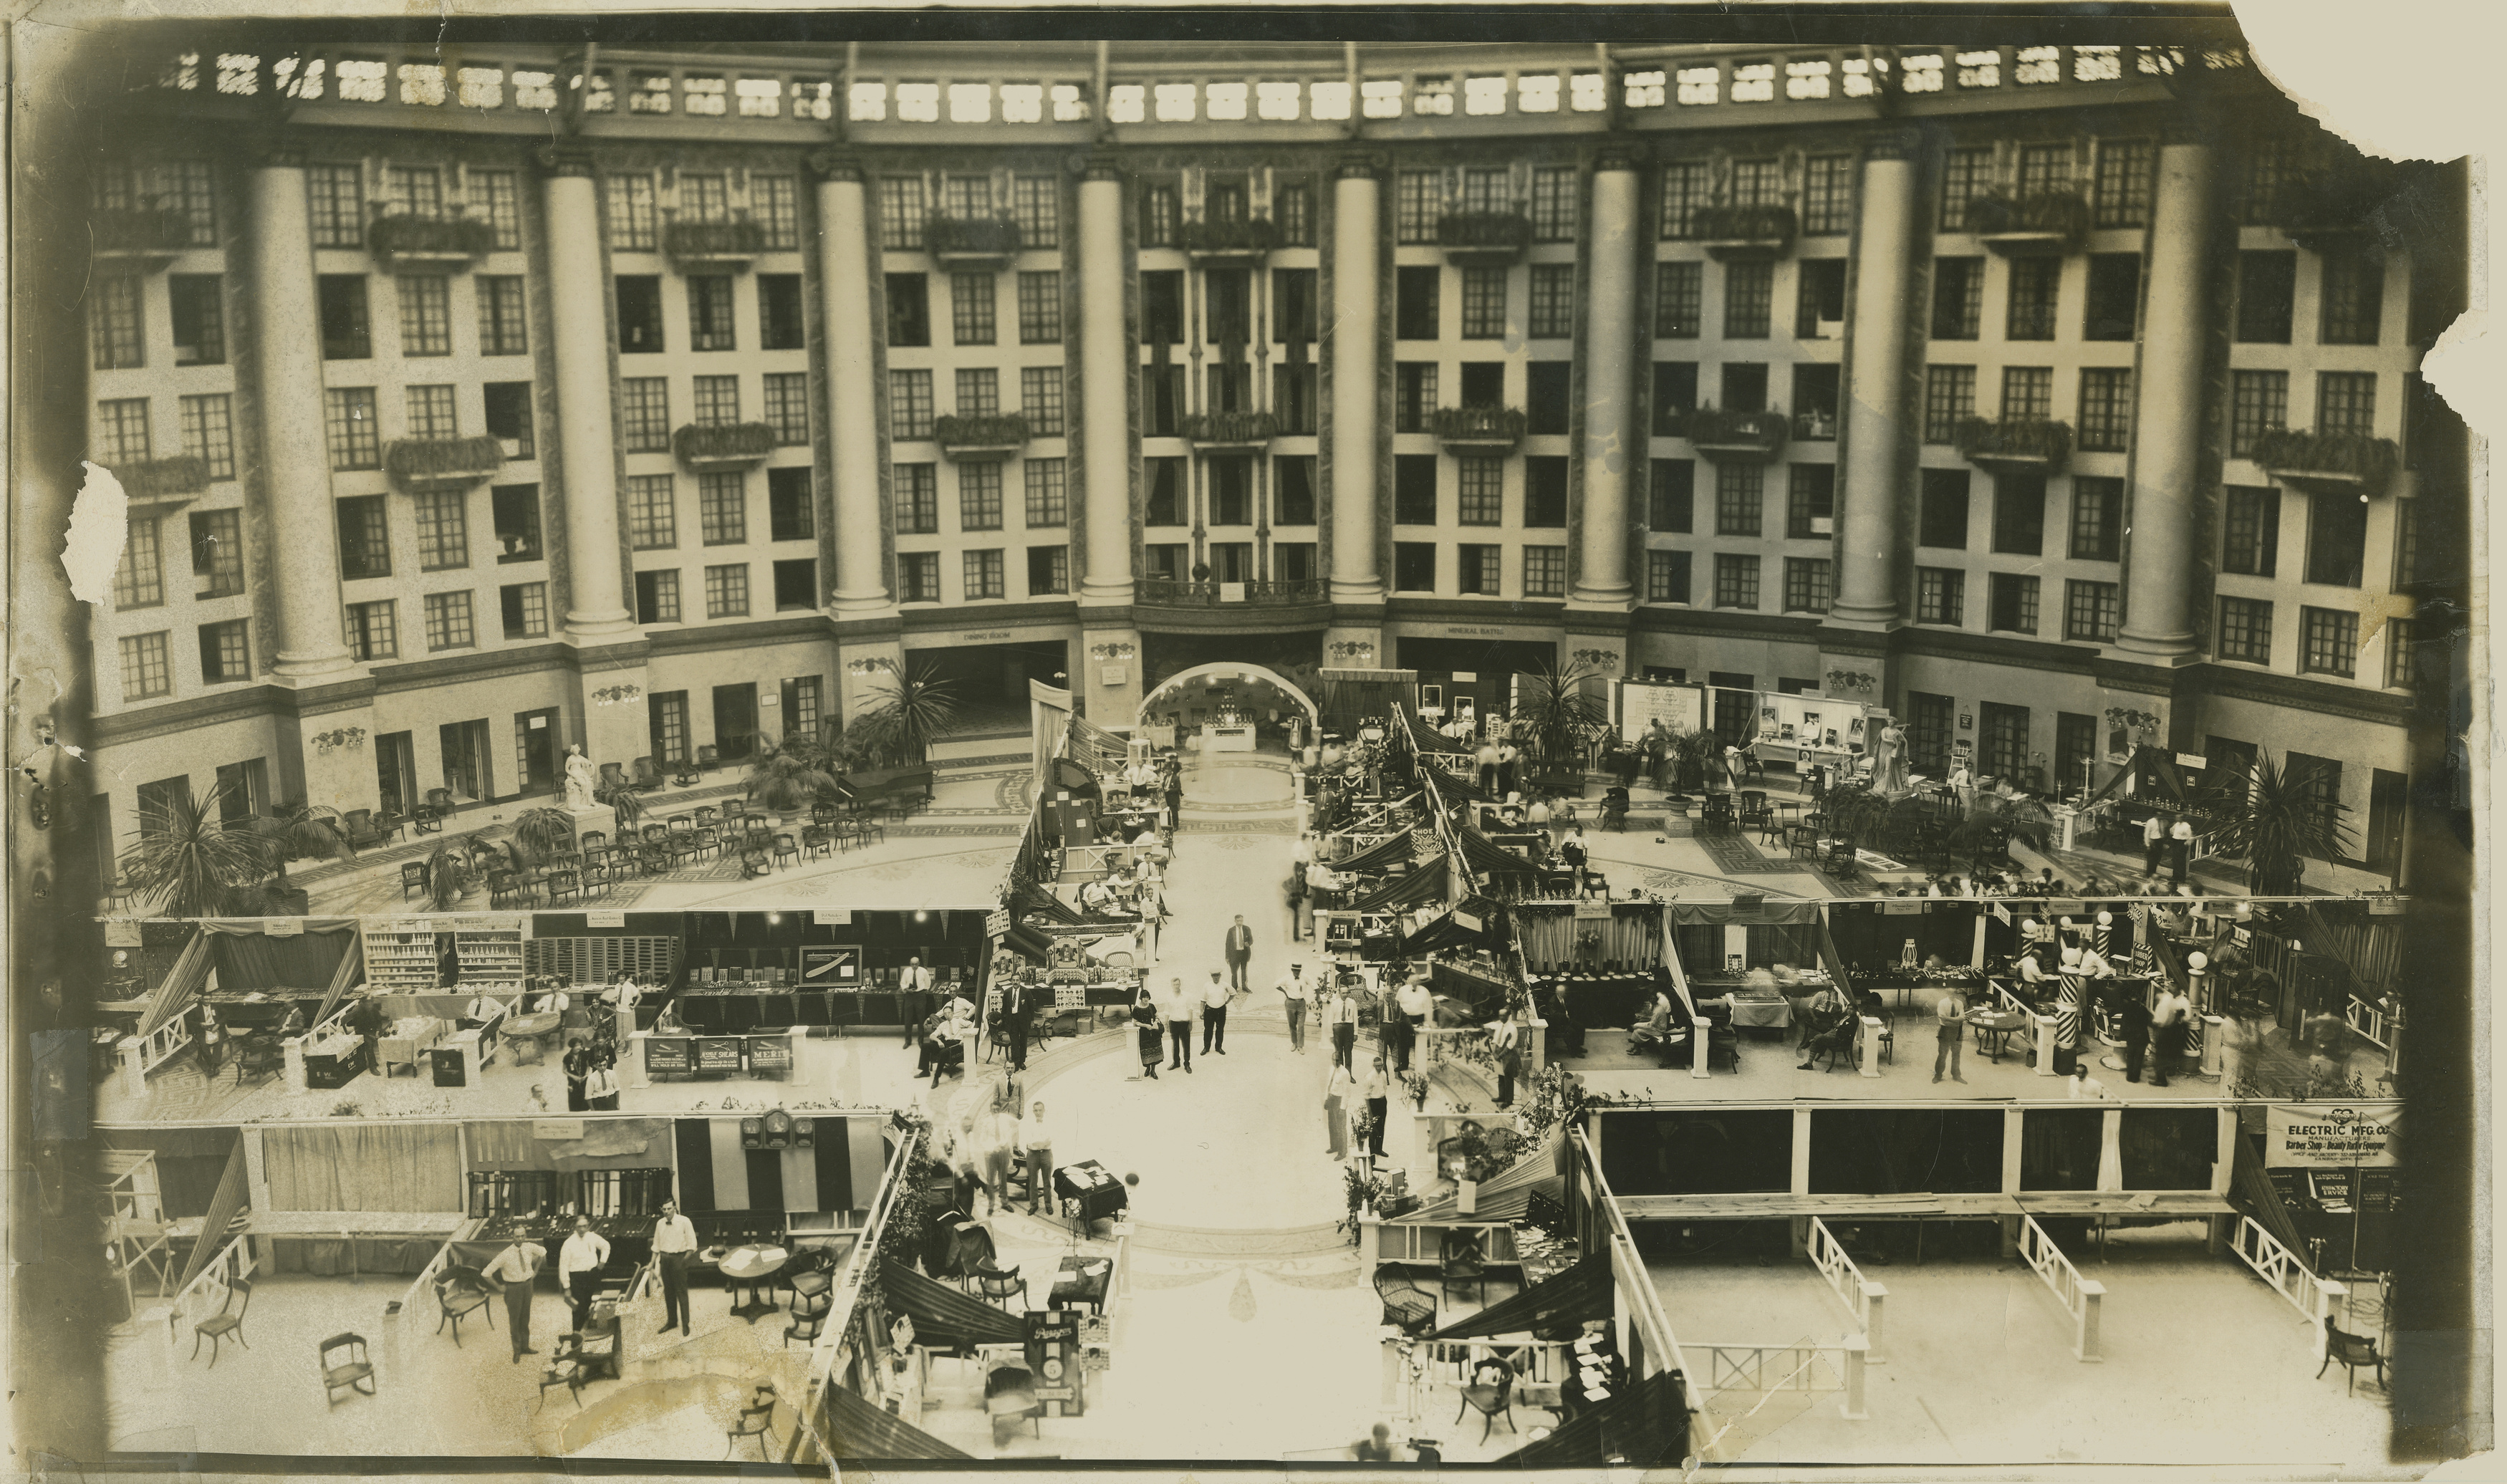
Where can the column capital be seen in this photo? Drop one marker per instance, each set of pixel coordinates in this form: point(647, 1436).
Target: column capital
point(1101, 167)
point(834, 164)
point(2192, 123)
point(271, 150)
point(1358, 167)
point(1622, 155)
point(559, 160)
point(1894, 144)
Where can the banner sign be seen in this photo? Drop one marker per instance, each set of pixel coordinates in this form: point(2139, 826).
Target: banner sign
point(834, 967)
point(1641, 703)
point(768, 1054)
point(2323, 1136)
point(667, 1054)
point(718, 1053)
point(613, 917)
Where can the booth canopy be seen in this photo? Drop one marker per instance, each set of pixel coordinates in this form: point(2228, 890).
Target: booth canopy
point(1388, 852)
point(859, 1432)
point(1775, 912)
point(1564, 1299)
point(1427, 884)
point(945, 1318)
point(1645, 1424)
point(1481, 853)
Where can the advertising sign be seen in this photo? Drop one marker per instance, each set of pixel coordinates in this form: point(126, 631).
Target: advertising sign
point(767, 1054)
point(833, 966)
point(2324, 1136)
point(1641, 703)
point(718, 1053)
point(667, 1054)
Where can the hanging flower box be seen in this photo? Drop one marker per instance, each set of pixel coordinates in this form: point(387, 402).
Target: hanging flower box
point(162, 483)
point(1220, 244)
point(1732, 437)
point(425, 464)
point(714, 447)
point(2040, 225)
point(2014, 445)
point(138, 242)
point(2328, 462)
point(1478, 429)
point(1219, 432)
point(2334, 209)
point(971, 243)
point(1744, 232)
point(699, 245)
point(1483, 237)
point(981, 440)
point(442, 244)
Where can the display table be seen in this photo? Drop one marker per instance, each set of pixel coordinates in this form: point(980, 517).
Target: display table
point(1218, 739)
point(531, 1035)
point(333, 1061)
point(1081, 1280)
point(718, 1056)
point(751, 1268)
point(1993, 1029)
point(408, 1043)
point(1088, 1192)
point(463, 1054)
point(731, 1010)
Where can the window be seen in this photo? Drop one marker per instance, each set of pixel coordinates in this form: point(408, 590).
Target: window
point(1819, 299)
point(502, 196)
point(2250, 529)
point(774, 202)
point(1958, 298)
point(2034, 284)
point(198, 312)
point(2406, 544)
point(1749, 299)
point(2267, 285)
point(718, 401)
point(1164, 502)
point(918, 577)
point(1481, 484)
point(1041, 400)
point(413, 190)
point(1483, 303)
point(2245, 630)
point(429, 411)
point(1162, 308)
point(365, 537)
point(1929, 731)
point(1544, 572)
point(2401, 659)
point(1553, 301)
point(1758, 183)
point(1048, 570)
point(2098, 518)
point(373, 630)
point(342, 306)
point(1164, 563)
point(657, 598)
point(1039, 307)
point(1292, 484)
point(2019, 514)
point(722, 509)
point(1679, 299)
point(336, 199)
point(909, 309)
point(1736, 581)
point(2114, 299)
point(1292, 563)
point(116, 323)
point(1292, 208)
point(1808, 581)
point(2332, 645)
point(979, 496)
point(2121, 193)
point(970, 308)
point(1048, 501)
point(1942, 519)
point(1160, 213)
point(146, 672)
point(139, 580)
point(1828, 196)
point(2091, 611)
point(787, 407)
point(1674, 397)
point(348, 426)
point(2258, 401)
point(1965, 175)
point(1293, 393)
point(1545, 493)
point(2345, 402)
point(2106, 409)
point(2337, 533)
point(791, 507)
point(208, 431)
point(1553, 203)
point(984, 577)
point(1036, 202)
point(645, 414)
point(2044, 168)
point(443, 529)
point(652, 514)
point(1949, 397)
point(2027, 391)
point(1940, 596)
point(796, 586)
point(1418, 199)
point(1810, 501)
point(1546, 396)
point(1666, 577)
point(1414, 395)
point(2353, 298)
point(426, 314)
point(2004, 753)
point(1414, 567)
point(726, 591)
point(902, 210)
point(523, 606)
point(1687, 184)
point(1294, 317)
point(909, 403)
point(979, 391)
point(1670, 496)
point(1745, 386)
point(1414, 489)
point(2014, 607)
point(639, 313)
point(781, 323)
point(1740, 498)
point(1414, 303)
point(448, 624)
point(122, 430)
point(1480, 571)
point(515, 510)
point(502, 328)
point(1227, 304)
point(1483, 383)
point(711, 321)
point(918, 499)
point(634, 223)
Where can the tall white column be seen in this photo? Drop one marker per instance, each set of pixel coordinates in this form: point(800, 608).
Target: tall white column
point(578, 291)
point(1869, 500)
point(1614, 436)
point(1355, 577)
point(846, 303)
point(1104, 381)
point(280, 269)
point(2168, 411)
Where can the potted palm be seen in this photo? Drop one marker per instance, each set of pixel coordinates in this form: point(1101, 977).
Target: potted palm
point(450, 874)
point(911, 712)
point(2274, 818)
point(1563, 723)
point(188, 864)
point(296, 829)
point(789, 780)
point(1691, 754)
point(545, 833)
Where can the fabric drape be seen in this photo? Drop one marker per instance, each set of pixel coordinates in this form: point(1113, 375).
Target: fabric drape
point(1380, 855)
point(1776, 912)
point(945, 1318)
point(1632, 935)
point(1427, 884)
point(608, 1143)
point(857, 1430)
point(257, 961)
point(1579, 1294)
point(385, 1167)
point(1645, 1422)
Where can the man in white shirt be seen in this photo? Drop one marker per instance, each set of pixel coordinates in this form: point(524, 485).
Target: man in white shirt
point(1951, 1016)
point(674, 1242)
point(481, 1009)
point(1376, 1089)
point(2153, 833)
point(518, 1267)
point(1487, 761)
point(914, 990)
point(1506, 757)
point(1414, 1002)
point(578, 1268)
point(1304, 853)
point(1294, 992)
point(2086, 1088)
point(1340, 1013)
point(1035, 1138)
point(1176, 1007)
point(2180, 848)
point(555, 999)
point(1214, 1015)
point(2167, 1033)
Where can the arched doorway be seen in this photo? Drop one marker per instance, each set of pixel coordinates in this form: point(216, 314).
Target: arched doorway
point(1253, 685)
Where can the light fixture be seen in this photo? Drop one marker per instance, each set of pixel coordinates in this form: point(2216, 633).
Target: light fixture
point(869, 665)
point(774, 917)
point(922, 915)
point(612, 694)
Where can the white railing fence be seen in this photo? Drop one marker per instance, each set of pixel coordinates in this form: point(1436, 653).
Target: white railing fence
point(2078, 1295)
point(1863, 1298)
point(1769, 1370)
point(2373, 1025)
point(2313, 1297)
point(206, 1293)
point(418, 1301)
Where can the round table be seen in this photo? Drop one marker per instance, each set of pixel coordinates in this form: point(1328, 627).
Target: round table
point(530, 1035)
point(749, 1268)
point(1998, 1024)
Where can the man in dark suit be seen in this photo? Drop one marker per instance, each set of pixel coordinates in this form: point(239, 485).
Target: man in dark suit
point(1240, 954)
point(1018, 1009)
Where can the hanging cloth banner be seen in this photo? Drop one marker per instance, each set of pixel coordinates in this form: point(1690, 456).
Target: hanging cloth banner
point(2327, 1135)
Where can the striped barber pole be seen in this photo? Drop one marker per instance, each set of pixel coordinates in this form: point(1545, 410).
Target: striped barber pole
point(2067, 1015)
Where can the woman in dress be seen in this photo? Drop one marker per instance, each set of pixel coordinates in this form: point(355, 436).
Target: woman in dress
point(1889, 761)
point(1145, 1027)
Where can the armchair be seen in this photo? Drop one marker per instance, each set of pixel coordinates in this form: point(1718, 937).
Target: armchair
point(345, 1367)
point(460, 1292)
point(1406, 1306)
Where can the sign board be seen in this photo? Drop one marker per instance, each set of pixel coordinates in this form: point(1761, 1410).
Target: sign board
point(2380, 905)
point(282, 927)
point(2324, 1136)
point(831, 967)
point(1641, 703)
point(121, 932)
point(1113, 674)
point(831, 917)
point(2192, 760)
point(1585, 907)
point(996, 923)
point(767, 1053)
point(556, 1128)
point(1231, 592)
point(717, 1053)
point(610, 917)
point(668, 1054)
point(1902, 907)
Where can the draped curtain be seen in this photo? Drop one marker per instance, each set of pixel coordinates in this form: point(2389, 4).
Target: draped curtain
point(259, 962)
point(1796, 945)
point(608, 1143)
point(388, 1166)
point(1548, 936)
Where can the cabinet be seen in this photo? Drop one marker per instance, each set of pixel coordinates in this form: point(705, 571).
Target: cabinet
point(401, 954)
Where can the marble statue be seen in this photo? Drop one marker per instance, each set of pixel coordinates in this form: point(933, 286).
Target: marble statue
point(578, 778)
point(1889, 761)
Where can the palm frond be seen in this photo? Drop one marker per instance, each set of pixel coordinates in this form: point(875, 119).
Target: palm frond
point(2277, 816)
point(188, 864)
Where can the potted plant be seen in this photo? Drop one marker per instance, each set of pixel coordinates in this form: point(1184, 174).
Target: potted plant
point(449, 874)
point(1692, 753)
point(188, 864)
point(2274, 818)
point(788, 780)
point(1363, 1190)
point(545, 833)
point(2028, 445)
point(298, 829)
point(912, 712)
point(2314, 461)
point(1414, 1086)
point(626, 812)
point(1562, 720)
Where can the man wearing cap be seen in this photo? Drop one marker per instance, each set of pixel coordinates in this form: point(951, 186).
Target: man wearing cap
point(1214, 1016)
point(1294, 992)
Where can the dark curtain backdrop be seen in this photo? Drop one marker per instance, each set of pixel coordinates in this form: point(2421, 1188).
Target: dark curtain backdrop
point(305, 963)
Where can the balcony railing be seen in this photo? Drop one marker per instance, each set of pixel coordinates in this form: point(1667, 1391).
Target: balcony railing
point(1744, 232)
point(1737, 437)
point(1478, 428)
point(164, 480)
point(2321, 462)
point(970, 240)
point(981, 440)
point(1173, 593)
point(2014, 445)
point(714, 245)
point(1226, 430)
point(426, 464)
point(2043, 224)
point(1483, 237)
point(1247, 239)
point(441, 243)
point(146, 238)
point(712, 447)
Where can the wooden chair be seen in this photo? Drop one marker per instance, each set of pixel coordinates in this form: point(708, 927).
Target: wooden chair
point(786, 850)
point(1459, 1265)
point(756, 1421)
point(683, 772)
point(229, 1320)
point(425, 819)
point(612, 778)
point(648, 777)
point(816, 840)
point(1406, 1305)
point(999, 1284)
point(259, 1054)
point(708, 816)
point(461, 1291)
point(2353, 1351)
point(1491, 1394)
point(804, 1327)
point(708, 757)
point(564, 887)
point(596, 877)
point(503, 888)
point(592, 839)
point(707, 843)
point(351, 1372)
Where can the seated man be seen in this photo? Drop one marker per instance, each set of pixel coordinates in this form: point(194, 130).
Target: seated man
point(1654, 1031)
point(1835, 1035)
point(1097, 897)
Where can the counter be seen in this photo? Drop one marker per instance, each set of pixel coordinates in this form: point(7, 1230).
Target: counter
point(1218, 738)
